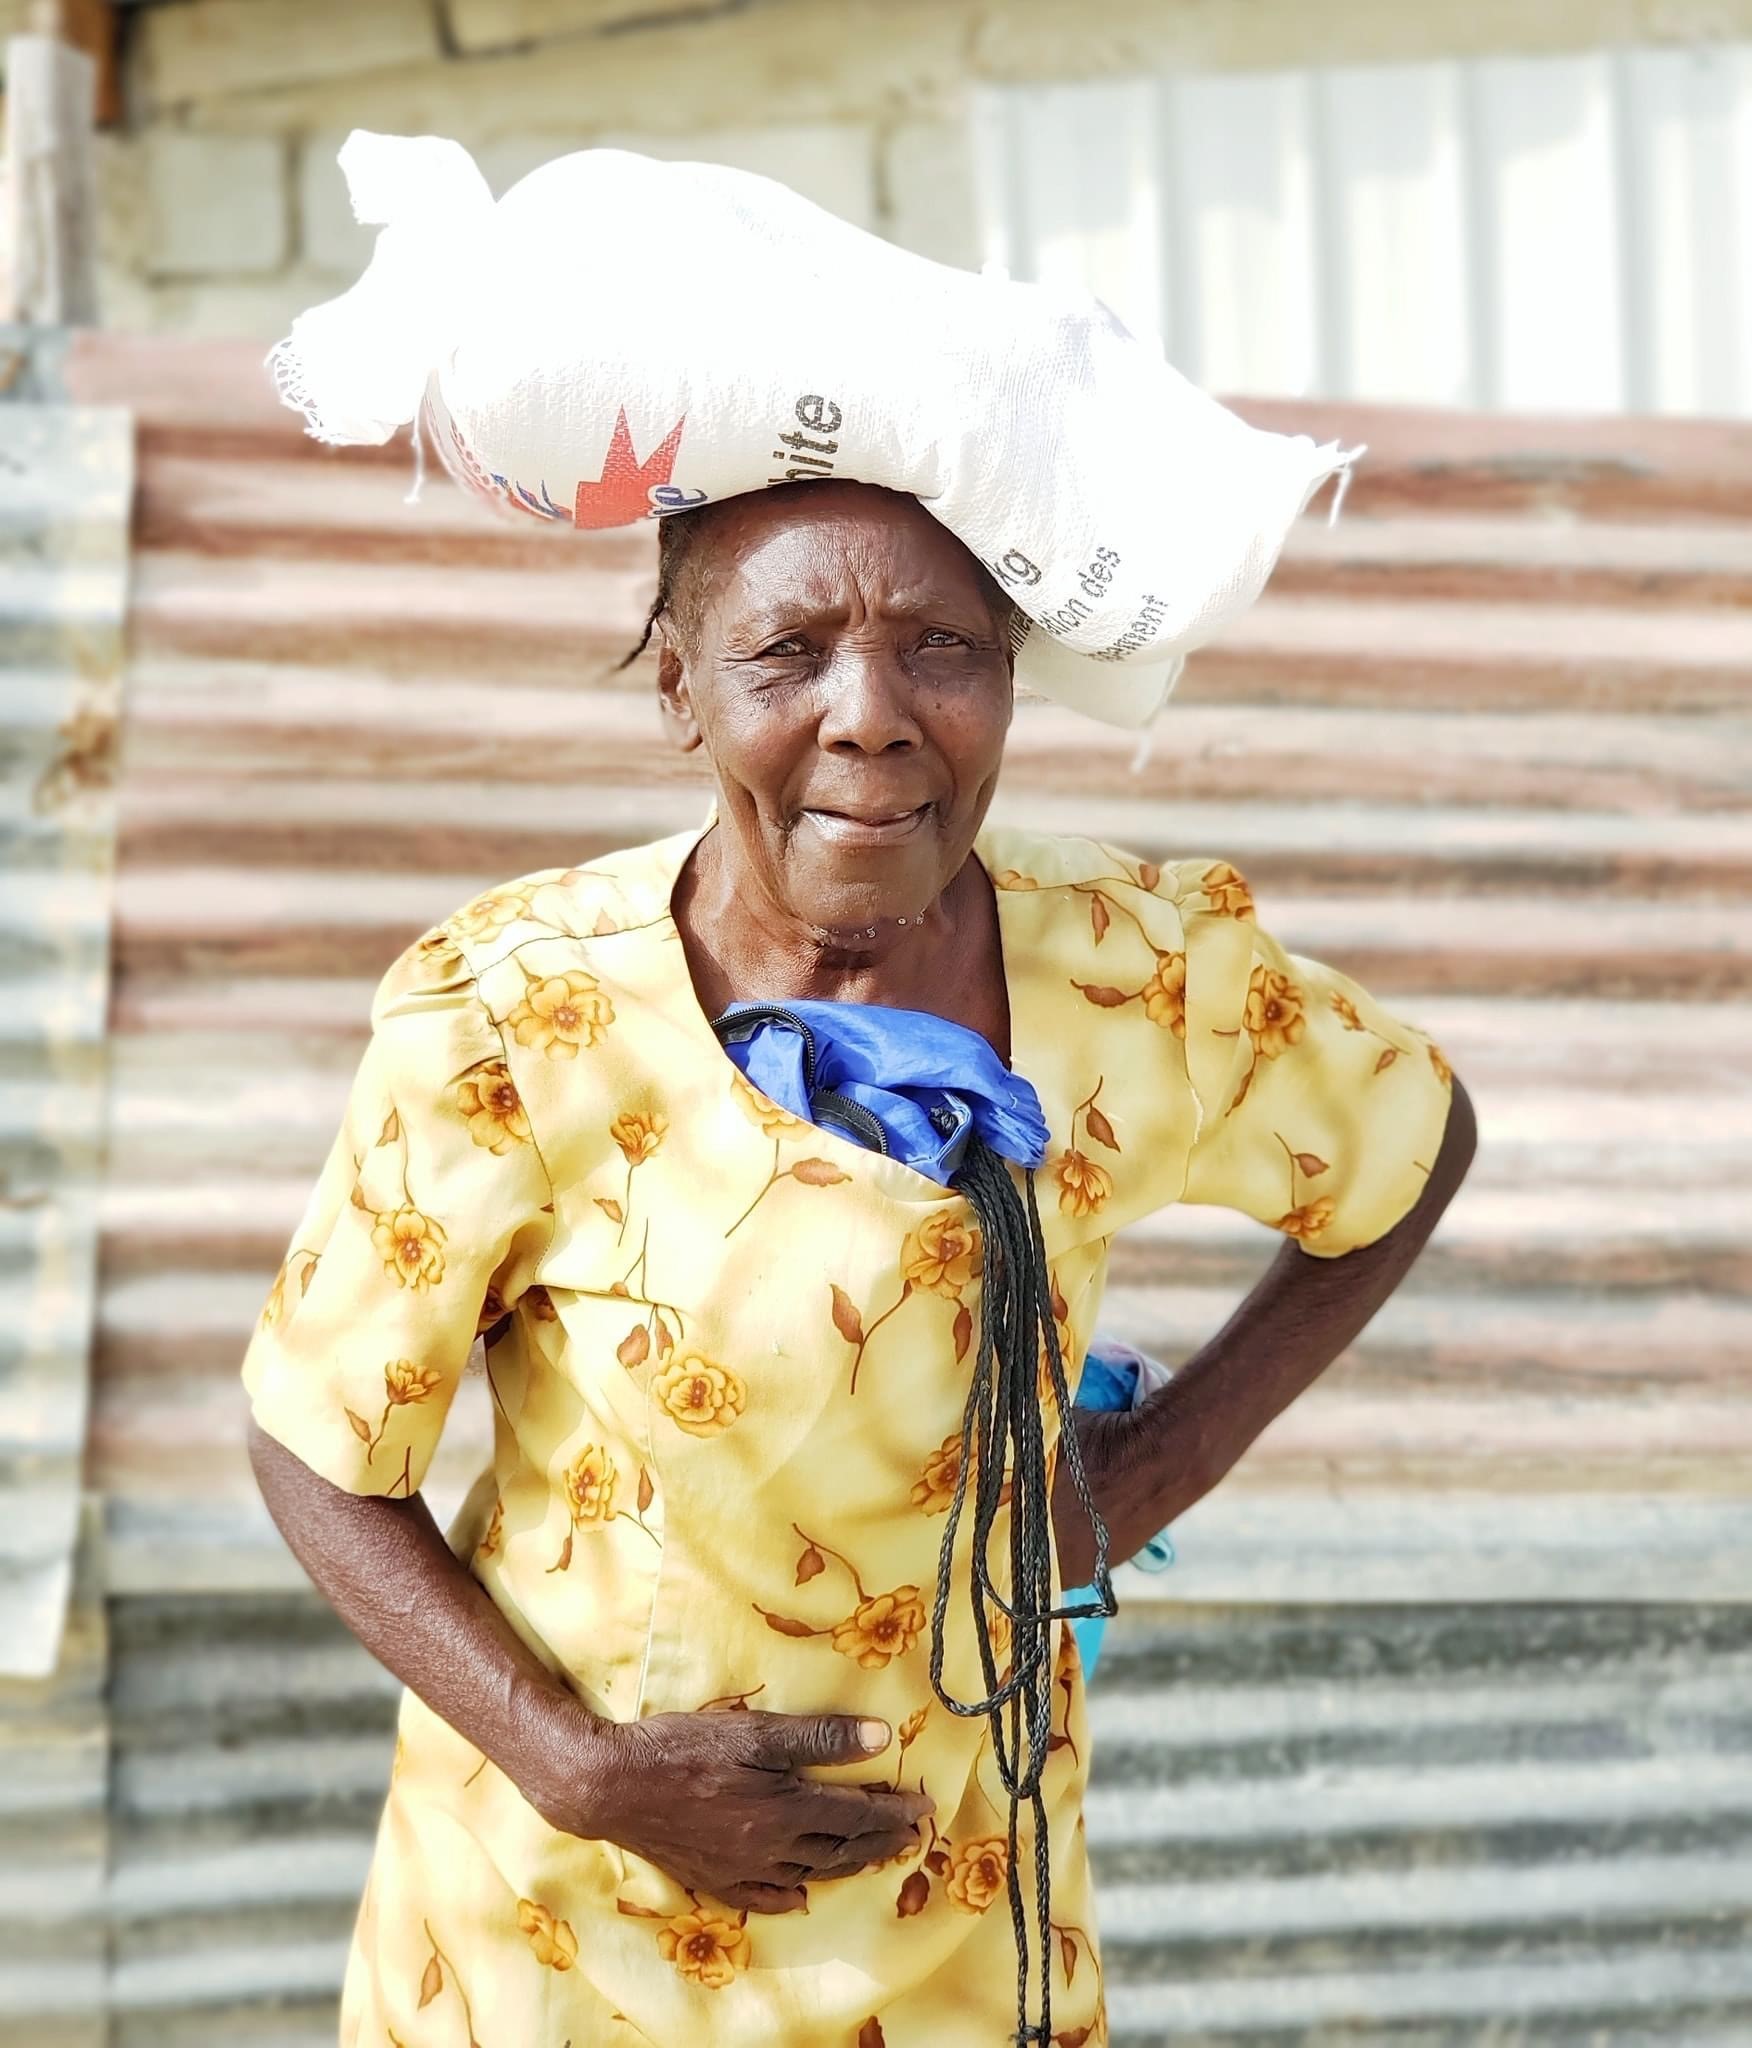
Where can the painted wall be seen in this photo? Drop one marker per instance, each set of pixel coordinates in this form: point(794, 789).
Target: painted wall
point(1545, 208)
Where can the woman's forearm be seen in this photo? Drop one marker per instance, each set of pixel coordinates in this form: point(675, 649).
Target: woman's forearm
point(724, 1802)
point(385, 1568)
point(1149, 1466)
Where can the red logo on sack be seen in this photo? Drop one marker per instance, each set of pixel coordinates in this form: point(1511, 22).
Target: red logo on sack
point(623, 491)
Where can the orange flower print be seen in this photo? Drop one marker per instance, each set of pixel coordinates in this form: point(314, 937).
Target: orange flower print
point(1444, 1072)
point(411, 1246)
point(978, 1872)
point(553, 1941)
point(562, 1013)
point(591, 1486)
point(1013, 878)
point(433, 1980)
point(773, 1121)
point(1084, 1187)
point(1274, 1017)
point(1067, 1348)
point(590, 1483)
point(638, 1132)
point(700, 1397)
point(779, 1124)
point(1164, 994)
point(1352, 1019)
point(881, 1629)
point(492, 1108)
point(1274, 1020)
point(913, 1727)
point(705, 1947)
point(490, 913)
point(934, 1488)
point(407, 1382)
point(488, 1546)
point(1227, 891)
point(944, 1256)
point(1305, 1219)
point(1308, 1221)
point(275, 1305)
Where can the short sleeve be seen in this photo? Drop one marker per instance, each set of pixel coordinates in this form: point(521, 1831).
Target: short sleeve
point(427, 1223)
point(1320, 1113)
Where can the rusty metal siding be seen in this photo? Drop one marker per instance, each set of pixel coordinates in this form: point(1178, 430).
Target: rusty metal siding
point(1471, 747)
point(1487, 744)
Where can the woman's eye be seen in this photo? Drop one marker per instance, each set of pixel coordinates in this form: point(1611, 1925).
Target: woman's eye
point(941, 636)
point(790, 645)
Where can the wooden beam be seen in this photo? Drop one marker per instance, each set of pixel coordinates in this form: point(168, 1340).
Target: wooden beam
point(50, 193)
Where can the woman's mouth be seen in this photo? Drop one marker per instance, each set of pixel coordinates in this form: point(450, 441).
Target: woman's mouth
point(866, 827)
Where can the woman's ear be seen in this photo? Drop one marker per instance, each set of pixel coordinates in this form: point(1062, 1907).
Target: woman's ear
point(675, 698)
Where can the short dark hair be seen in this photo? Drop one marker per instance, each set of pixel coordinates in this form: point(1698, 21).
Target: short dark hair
point(679, 535)
point(678, 538)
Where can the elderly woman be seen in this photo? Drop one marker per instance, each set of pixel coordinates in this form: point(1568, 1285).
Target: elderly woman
point(697, 1746)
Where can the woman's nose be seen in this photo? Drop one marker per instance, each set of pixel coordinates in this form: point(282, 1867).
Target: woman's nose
point(868, 707)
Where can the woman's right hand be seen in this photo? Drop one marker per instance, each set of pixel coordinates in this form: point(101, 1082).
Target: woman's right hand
point(722, 1801)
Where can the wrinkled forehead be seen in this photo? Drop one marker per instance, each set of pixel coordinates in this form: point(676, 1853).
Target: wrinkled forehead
point(817, 545)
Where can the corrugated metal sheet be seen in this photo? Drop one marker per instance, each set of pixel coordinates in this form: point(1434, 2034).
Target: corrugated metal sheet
point(1564, 233)
point(1471, 747)
point(1432, 1825)
point(66, 482)
point(1486, 744)
point(54, 1832)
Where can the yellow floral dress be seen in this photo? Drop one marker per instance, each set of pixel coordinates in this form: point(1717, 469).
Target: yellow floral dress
point(729, 1355)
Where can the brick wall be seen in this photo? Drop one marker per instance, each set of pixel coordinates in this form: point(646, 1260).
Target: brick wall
point(225, 213)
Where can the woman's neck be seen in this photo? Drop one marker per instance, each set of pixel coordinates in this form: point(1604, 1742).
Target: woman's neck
point(742, 948)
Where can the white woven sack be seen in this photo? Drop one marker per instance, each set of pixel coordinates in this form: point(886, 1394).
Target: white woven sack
point(617, 338)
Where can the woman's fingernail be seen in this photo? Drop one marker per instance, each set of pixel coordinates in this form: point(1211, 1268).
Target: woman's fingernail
point(873, 1734)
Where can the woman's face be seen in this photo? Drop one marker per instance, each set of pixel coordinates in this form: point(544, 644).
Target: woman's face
point(844, 661)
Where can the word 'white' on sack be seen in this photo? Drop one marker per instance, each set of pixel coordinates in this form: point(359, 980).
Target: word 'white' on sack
point(809, 457)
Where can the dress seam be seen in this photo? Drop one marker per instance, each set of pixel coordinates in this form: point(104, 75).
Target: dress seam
point(534, 1142)
point(649, 1446)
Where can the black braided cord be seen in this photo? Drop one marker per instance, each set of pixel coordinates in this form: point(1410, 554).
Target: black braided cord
point(1002, 1434)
